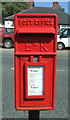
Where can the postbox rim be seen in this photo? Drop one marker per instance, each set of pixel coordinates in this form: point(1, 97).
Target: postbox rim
point(36, 14)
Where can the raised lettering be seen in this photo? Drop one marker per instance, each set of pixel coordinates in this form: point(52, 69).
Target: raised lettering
point(27, 47)
point(20, 22)
point(30, 22)
point(24, 22)
point(51, 22)
point(36, 22)
point(42, 47)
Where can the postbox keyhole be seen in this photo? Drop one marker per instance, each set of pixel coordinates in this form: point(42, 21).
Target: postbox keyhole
point(36, 59)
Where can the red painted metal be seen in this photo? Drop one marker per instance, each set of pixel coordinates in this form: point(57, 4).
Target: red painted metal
point(35, 37)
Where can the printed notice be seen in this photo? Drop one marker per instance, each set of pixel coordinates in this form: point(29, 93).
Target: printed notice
point(35, 80)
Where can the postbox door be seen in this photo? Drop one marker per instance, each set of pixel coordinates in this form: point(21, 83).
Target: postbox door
point(44, 99)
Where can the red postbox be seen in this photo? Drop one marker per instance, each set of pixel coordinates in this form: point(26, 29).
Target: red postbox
point(35, 61)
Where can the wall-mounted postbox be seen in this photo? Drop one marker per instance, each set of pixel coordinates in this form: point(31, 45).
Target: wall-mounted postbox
point(35, 61)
